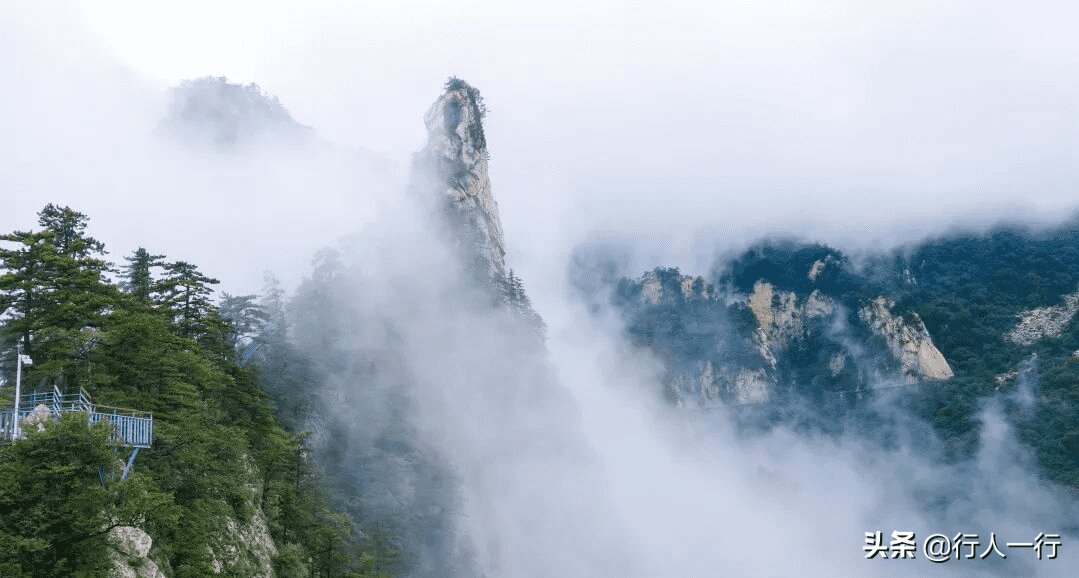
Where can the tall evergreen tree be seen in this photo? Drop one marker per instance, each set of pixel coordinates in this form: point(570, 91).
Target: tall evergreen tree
point(215, 433)
point(138, 274)
point(514, 295)
point(69, 232)
point(245, 316)
point(21, 283)
point(273, 297)
point(54, 282)
point(185, 293)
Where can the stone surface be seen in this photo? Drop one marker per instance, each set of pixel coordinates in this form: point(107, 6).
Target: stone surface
point(37, 418)
point(690, 287)
point(909, 341)
point(133, 544)
point(751, 386)
point(1044, 322)
point(780, 317)
point(453, 166)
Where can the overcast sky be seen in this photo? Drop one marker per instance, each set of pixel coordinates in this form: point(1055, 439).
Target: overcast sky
point(666, 126)
point(730, 117)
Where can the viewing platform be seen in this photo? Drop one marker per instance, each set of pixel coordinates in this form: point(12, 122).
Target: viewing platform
point(131, 428)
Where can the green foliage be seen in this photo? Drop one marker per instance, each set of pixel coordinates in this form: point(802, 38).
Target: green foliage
point(138, 274)
point(787, 264)
point(52, 286)
point(186, 295)
point(513, 294)
point(477, 107)
point(220, 452)
point(55, 512)
point(968, 289)
point(244, 315)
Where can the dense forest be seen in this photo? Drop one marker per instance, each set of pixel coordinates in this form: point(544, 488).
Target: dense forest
point(970, 289)
point(227, 464)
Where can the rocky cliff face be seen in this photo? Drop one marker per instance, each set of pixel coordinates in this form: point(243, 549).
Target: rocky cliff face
point(776, 330)
point(379, 407)
point(239, 547)
point(1044, 322)
point(131, 555)
point(453, 169)
point(942, 324)
point(780, 317)
point(908, 340)
point(652, 290)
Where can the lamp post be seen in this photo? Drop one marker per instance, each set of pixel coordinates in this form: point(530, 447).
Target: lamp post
point(18, 389)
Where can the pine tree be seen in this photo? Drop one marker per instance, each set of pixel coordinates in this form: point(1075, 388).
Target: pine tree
point(513, 293)
point(164, 348)
point(138, 274)
point(185, 293)
point(21, 283)
point(69, 232)
point(53, 281)
point(272, 300)
point(245, 316)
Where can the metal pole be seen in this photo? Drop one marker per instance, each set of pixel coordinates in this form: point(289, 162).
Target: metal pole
point(18, 392)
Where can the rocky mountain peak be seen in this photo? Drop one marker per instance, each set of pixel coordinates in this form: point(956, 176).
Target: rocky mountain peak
point(453, 166)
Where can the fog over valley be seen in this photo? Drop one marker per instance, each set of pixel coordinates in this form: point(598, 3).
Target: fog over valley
point(466, 289)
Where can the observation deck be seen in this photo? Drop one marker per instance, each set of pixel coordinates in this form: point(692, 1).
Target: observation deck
point(131, 428)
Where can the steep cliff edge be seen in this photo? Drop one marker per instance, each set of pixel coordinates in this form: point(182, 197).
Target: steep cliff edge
point(775, 324)
point(437, 323)
point(453, 169)
point(908, 340)
point(450, 176)
point(937, 325)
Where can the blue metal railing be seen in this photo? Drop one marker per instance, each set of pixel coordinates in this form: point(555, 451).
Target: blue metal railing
point(131, 430)
point(129, 427)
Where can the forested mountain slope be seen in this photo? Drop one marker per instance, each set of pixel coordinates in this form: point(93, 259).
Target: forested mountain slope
point(942, 325)
point(225, 489)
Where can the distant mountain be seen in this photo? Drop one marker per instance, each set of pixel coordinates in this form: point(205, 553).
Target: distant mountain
point(213, 111)
point(947, 322)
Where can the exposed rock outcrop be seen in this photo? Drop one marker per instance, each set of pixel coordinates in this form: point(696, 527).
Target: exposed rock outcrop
point(690, 287)
point(908, 340)
point(37, 418)
point(1003, 379)
point(777, 339)
point(245, 547)
point(818, 266)
point(651, 288)
point(836, 363)
point(781, 319)
point(725, 385)
point(131, 557)
point(1044, 322)
point(453, 166)
point(751, 386)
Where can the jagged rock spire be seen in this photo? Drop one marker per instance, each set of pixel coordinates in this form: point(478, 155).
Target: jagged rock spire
point(453, 165)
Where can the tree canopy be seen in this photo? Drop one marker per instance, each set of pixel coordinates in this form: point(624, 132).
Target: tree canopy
point(155, 341)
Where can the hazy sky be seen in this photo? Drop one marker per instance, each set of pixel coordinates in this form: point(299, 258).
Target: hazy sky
point(737, 117)
point(660, 124)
